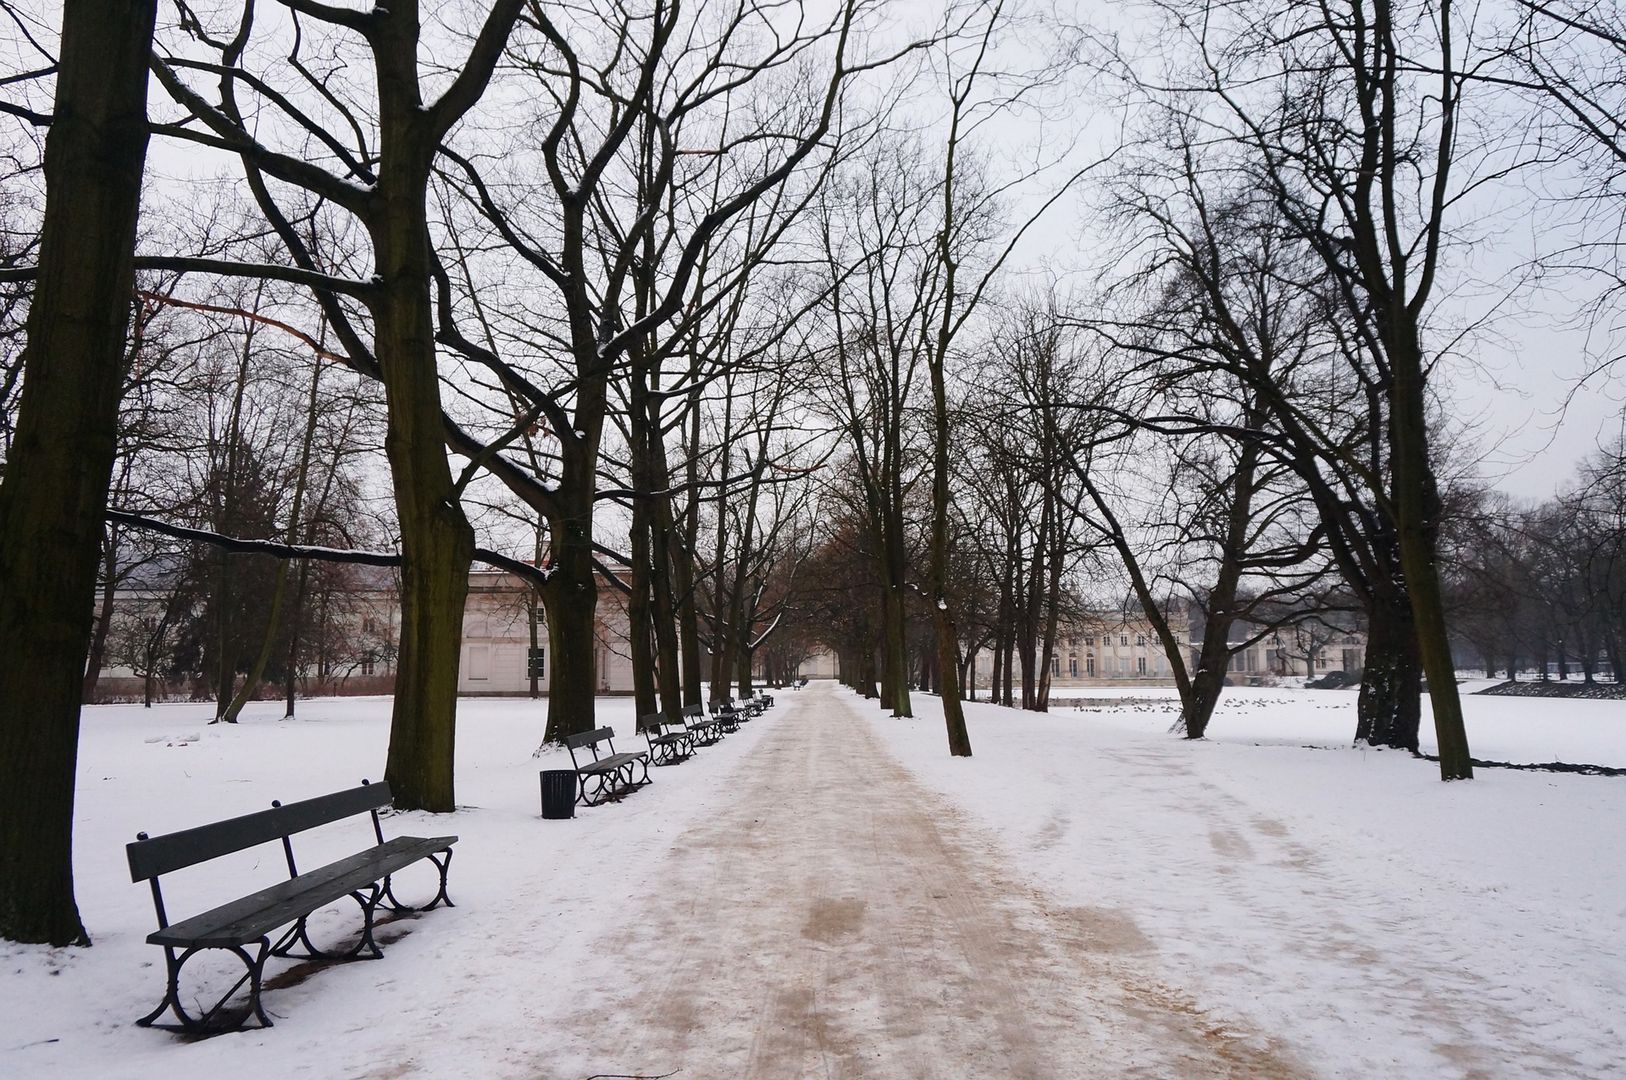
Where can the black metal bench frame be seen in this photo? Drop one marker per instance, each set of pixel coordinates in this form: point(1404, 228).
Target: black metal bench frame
point(726, 716)
point(670, 741)
point(611, 774)
point(365, 877)
point(705, 732)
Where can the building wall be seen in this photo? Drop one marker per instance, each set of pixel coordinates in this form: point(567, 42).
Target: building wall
point(1097, 651)
point(495, 649)
point(497, 639)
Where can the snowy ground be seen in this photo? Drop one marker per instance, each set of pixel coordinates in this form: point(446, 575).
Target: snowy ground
point(1326, 910)
point(1381, 922)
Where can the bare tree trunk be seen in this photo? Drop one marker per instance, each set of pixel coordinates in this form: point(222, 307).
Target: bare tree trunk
point(662, 571)
point(571, 599)
point(1389, 710)
point(1052, 607)
point(437, 542)
point(1028, 641)
point(948, 634)
point(1417, 520)
point(104, 616)
point(279, 587)
point(684, 543)
point(61, 460)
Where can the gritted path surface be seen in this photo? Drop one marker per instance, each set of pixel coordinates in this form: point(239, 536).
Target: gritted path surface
point(836, 920)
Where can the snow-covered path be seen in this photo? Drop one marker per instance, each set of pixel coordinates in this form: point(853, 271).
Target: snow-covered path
point(834, 920)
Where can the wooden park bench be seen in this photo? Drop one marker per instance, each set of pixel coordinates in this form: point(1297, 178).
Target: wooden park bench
point(726, 716)
point(670, 741)
point(705, 732)
point(611, 775)
point(364, 877)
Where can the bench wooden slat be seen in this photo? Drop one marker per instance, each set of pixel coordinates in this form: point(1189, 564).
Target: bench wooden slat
point(588, 738)
point(188, 847)
point(251, 917)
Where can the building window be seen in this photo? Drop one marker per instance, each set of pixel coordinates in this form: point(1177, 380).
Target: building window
point(1140, 639)
point(368, 625)
point(1055, 665)
point(1089, 641)
point(367, 666)
point(535, 665)
point(1140, 664)
point(1072, 666)
point(1089, 666)
point(1123, 639)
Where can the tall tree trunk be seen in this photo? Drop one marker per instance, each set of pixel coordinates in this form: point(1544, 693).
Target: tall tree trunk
point(1214, 656)
point(1389, 709)
point(640, 627)
point(279, 586)
point(947, 632)
point(663, 611)
point(437, 541)
point(747, 659)
point(296, 630)
point(57, 473)
point(104, 616)
point(864, 670)
point(1417, 521)
point(1028, 641)
point(228, 501)
point(895, 659)
point(571, 601)
point(1052, 608)
point(684, 544)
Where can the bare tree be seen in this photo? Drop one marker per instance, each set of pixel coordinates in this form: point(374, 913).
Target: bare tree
point(60, 459)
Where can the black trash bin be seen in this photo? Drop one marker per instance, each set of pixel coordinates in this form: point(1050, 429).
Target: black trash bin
point(558, 793)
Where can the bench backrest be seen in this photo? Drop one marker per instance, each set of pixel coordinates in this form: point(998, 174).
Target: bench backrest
point(588, 738)
point(151, 856)
point(652, 722)
point(694, 710)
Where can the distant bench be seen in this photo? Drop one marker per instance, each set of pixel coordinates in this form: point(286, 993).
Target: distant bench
point(706, 732)
point(609, 775)
point(250, 920)
point(670, 740)
point(726, 716)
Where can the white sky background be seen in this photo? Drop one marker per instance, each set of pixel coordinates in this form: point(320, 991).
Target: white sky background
point(1521, 394)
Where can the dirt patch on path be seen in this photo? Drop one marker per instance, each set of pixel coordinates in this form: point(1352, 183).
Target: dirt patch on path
point(837, 920)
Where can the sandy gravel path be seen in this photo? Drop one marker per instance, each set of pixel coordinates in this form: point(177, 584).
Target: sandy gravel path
point(837, 920)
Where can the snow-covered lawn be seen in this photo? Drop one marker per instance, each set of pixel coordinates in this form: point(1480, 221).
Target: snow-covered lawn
point(445, 1001)
point(1344, 904)
point(1379, 921)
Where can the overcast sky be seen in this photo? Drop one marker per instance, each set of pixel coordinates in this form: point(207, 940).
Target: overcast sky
point(1518, 387)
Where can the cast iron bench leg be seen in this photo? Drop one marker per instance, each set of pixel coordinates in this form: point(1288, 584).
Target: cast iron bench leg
point(443, 862)
point(254, 970)
point(298, 935)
